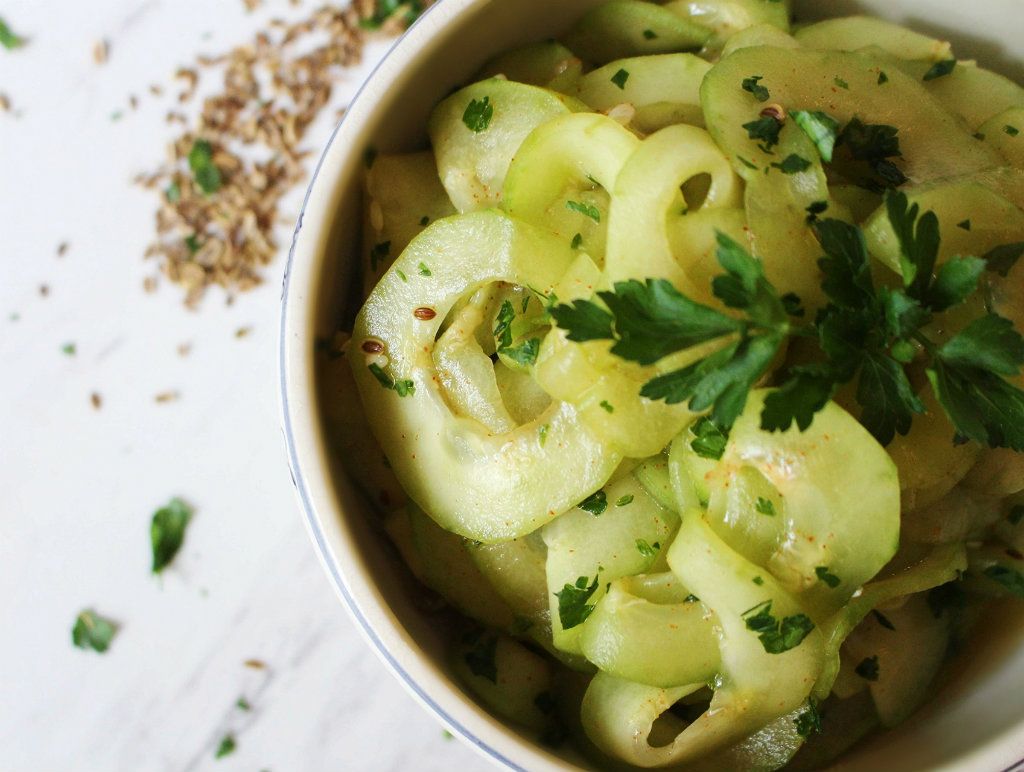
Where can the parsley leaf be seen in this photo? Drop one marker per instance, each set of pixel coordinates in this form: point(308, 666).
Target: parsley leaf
point(868, 668)
point(204, 170)
point(503, 324)
point(753, 86)
point(624, 501)
point(777, 637)
point(709, 441)
point(525, 354)
point(875, 144)
point(821, 128)
point(765, 506)
point(91, 631)
point(826, 576)
point(793, 164)
point(167, 532)
point(620, 78)
point(480, 659)
point(1003, 258)
point(647, 550)
point(573, 608)
point(596, 503)
point(587, 210)
point(883, 620)
point(940, 69)
point(957, 280)
point(404, 387)
point(918, 235)
point(809, 720)
point(9, 39)
point(766, 130)
point(226, 747)
point(478, 114)
point(1007, 577)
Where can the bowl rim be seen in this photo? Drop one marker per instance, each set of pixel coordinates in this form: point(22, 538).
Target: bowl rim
point(295, 377)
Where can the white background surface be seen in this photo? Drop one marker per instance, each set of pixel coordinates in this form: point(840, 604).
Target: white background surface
point(79, 485)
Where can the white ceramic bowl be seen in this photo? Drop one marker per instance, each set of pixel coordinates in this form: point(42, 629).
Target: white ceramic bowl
point(977, 721)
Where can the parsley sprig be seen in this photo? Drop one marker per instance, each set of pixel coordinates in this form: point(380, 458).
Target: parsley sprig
point(866, 334)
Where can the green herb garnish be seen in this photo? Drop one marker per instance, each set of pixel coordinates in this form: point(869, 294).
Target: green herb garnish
point(868, 668)
point(1009, 578)
point(596, 503)
point(403, 387)
point(624, 500)
point(620, 78)
point(481, 660)
point(709, 441)
point(650, 34)
point(167, 532)
point(765, 131)
point(587, 210)
point(753, 86)
point(226, 747)
point(940, 69)
point(573, 608)
point(607, 406)
point(647, 550)
point(883, 620)
point(882, 78)
point(765, 506)
point(826, 576)
point(9, 39)
point(809, 720)
point(379, 254)
point(91, 631)
point(777, 637)
point(1012, 131)
point(204, 170)
point(478, 115)
point(793, 164)
point(865, 334)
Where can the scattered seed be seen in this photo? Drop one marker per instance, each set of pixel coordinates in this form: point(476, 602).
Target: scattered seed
point(96, 400)
point(167, 396)
point(372, 346)
point(100, 51)
point(778, 112)
point(243, 332)
point(424, 314)
point(255, 664)
point(62, 249)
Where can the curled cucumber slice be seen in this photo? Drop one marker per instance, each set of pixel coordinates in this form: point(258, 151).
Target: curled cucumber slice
point(477, 131)
point(624, 28)
point(560, 178)
point(856, 32)
point(484, 486)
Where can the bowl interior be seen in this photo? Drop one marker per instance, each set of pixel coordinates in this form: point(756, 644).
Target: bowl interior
point(971, 724)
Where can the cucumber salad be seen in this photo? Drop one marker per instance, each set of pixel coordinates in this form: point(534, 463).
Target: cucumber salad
point(689, 373)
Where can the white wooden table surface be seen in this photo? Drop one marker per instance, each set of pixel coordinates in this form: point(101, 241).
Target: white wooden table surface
point(78, 485)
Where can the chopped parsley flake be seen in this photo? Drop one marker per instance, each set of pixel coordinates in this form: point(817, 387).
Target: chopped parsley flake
point(525, 354)
point(69, 349)
point(709, 441)
point(379, 254)
point(758, 580)
point(480, 659)
point(424, 221)
point(841, 83)
point(607, 406)
point(777, 637)
point(882, 78)
point(595, 503)
point(753, 86)
point(542, 434)
point(403, 388)
point(624, 500)
point(620, 78)
point(826, 576)
point(1001, 259)
point(793, 164)
point(940, 69)
point(243, 704)
point(226, 748)
point(650, 34)
point(764, 130)
point(809, 720)
point(964, 225)
point(749, 164)
point(204, 170)
point(9, 39)
point(868, 668)
point(478, 115)
point(167, 532)
point(1009, 578)
point(1016, 514)
point(573, 608)
point(1013, 131)
point(587, 210)
point(577, 241)
point(91, 631)
point(647, 550)
point(765, 506)
point(424, 270)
